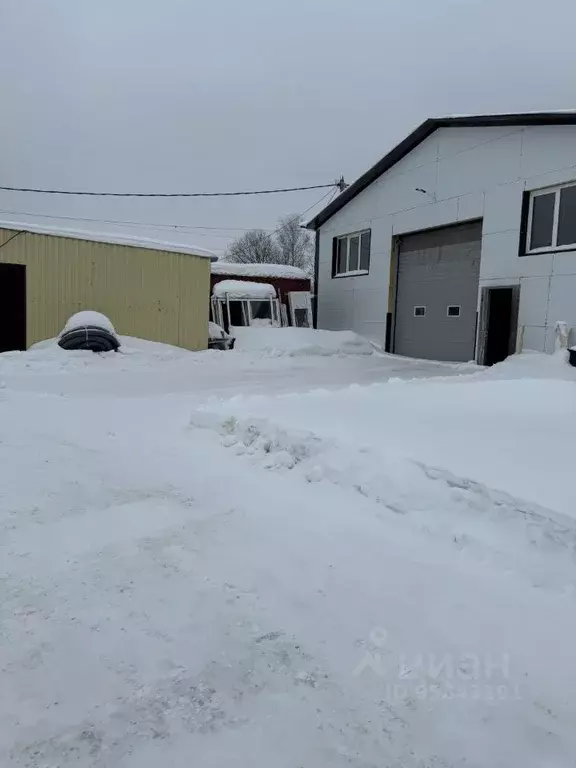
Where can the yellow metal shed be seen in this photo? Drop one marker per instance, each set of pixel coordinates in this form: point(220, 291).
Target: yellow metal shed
point(153, 290)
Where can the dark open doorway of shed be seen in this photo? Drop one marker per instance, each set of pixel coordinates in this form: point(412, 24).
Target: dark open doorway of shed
point(12, 307)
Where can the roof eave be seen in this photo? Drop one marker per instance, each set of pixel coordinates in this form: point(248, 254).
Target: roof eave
point(420, 134)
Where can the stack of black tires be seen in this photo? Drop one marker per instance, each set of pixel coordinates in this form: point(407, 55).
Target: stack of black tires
point(83, 331)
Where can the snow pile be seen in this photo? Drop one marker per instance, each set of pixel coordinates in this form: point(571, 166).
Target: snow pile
point(532, 365)
point(215, 331)
point(87, 318)
point(258, 270)
point(150, 353)
point(301, 341)
point(48, 351)
point(514, 435)
point(243, 289)
point(488, 524)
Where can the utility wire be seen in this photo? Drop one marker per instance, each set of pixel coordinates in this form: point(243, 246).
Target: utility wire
point(330, 192)
point(167, 194)
point(157, 225)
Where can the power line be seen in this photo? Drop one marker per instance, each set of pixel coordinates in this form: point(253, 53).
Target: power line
point(330, 191)
point(168, 194)
point(158, 225)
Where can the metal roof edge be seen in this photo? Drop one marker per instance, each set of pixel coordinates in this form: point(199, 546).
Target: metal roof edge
point(110, 239)
point(425, 129)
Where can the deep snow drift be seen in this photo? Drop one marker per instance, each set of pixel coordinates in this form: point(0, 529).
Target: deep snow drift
point(339, 578)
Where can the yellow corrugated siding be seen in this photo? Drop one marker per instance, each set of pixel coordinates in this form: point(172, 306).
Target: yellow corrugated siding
point(5, 235)
point(157, 295)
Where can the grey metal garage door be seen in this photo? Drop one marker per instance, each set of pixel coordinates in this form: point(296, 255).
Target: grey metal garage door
point(437, 293)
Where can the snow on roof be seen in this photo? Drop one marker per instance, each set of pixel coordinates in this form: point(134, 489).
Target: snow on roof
point(111, 238)
point(243, 289)
point(257, 270)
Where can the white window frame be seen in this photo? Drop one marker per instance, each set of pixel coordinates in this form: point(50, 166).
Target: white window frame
point(273, 319)
point(218, 303)
point(348, 236)
point(556, 190)
point(453, 306)
point(420, 306)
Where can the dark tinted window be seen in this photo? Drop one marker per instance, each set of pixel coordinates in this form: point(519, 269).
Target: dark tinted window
point(542, 220)
point(354, 254)
point(567, 217)
point(365, 252)
point(261, 310)
point(341, 262)
point(453, 310)
point(236, 313)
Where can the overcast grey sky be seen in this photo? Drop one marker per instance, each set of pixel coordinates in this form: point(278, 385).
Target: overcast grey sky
point(209, 95)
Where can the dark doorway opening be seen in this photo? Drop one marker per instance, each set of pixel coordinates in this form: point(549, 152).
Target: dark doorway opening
point(236, 313)
point(12, 307)
point(500, 312)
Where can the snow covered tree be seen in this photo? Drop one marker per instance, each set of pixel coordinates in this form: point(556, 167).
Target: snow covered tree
point(254, 247)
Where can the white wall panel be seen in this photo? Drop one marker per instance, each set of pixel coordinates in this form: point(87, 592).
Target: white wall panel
point(534, 338)
point(503, 204)
point(470, 206)
point(547, 148)
point(533, 300)
point(425, 217)
point(468, 173)
point(480, 168)
point(452, 141)
point(564, 263)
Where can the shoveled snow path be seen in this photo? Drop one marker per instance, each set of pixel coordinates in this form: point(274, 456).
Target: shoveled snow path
point(166, 602)
point(144, 369)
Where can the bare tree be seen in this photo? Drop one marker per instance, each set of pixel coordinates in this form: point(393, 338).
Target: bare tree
point(290, 244)
point(254, 247)
point(295, 243)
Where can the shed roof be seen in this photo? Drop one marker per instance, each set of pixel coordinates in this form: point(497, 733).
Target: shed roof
point(243, 289)
point(112, 239)
point(257, 270)
point(565, 117)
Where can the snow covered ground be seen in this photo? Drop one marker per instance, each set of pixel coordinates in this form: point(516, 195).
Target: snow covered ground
point(205, 563)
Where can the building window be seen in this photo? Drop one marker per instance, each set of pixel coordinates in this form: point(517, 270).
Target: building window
point(352, 254)
point(419, 311)
point(552, 219)
point(261, 310)
point(453, 310)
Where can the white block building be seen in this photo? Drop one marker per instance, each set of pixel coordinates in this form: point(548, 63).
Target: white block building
point(460, 243)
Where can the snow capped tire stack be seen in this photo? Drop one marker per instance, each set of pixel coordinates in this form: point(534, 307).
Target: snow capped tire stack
point(89, 330)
